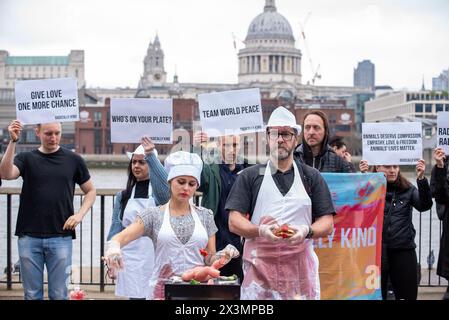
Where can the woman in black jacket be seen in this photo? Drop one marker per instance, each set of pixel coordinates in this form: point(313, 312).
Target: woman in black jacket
point(439, 184)
point(399, 261)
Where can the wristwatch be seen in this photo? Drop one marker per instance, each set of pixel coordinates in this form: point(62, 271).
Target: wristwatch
point(310, 234)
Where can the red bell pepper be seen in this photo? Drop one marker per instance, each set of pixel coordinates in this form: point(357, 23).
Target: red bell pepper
point(203, 252)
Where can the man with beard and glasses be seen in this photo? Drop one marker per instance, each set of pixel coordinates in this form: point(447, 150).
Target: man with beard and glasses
point(284, 192)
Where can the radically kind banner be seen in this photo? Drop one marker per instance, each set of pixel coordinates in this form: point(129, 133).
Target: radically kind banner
point(350, 257)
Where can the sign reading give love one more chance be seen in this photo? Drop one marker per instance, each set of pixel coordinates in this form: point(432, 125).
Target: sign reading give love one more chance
point(48, 100)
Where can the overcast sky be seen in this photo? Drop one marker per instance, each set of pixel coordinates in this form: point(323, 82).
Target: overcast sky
point(405, 39)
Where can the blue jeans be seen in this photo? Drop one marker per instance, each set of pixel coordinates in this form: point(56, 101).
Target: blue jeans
point(56, 254)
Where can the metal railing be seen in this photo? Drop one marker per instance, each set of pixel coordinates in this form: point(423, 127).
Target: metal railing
point(428, 271)
point(93, 272)
point(90, 273)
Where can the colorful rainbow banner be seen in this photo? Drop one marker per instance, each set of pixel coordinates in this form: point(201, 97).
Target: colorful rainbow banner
point(350, 257)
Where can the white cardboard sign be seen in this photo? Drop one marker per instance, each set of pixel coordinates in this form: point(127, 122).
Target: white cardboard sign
point(231, 112)
point(392, 143)
point(47, 100)
point(443, 131)
point(131, 119)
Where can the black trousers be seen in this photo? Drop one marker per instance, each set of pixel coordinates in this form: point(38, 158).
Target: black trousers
point(401, 268)
point(233, 267)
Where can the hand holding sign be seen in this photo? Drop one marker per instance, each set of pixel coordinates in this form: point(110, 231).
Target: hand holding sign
point(14, 129)
point(439, 156)
point(199, 138)
point(420, 169)
point(363, 166)
point(148, 145)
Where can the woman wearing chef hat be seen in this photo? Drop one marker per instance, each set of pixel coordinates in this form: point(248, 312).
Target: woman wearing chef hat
point(178, 229)
point(146, 187)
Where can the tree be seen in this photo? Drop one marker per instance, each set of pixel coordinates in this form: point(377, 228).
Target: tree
point(445, 94)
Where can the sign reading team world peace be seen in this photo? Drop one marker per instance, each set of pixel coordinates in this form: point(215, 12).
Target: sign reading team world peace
point(48, 100)
point(350, 258)
point(231, 112)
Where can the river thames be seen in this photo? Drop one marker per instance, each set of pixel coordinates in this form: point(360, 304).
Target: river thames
point(87, 251)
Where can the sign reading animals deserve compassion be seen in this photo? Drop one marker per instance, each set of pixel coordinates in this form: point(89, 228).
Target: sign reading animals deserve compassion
point(231, 112)
point(131, 119)
point(392, 143)
point(48, 100)
point(443, 131)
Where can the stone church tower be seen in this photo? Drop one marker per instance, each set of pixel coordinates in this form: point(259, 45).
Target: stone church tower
point(154, 74)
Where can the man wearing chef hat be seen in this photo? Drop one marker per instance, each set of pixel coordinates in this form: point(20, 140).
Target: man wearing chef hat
point(281, 192)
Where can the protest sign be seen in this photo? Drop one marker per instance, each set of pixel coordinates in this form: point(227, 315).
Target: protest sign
point(48, 100)
point(350, 257)
point(392, 143)
point(231, 112)
point(443, 131)
point(131, 119)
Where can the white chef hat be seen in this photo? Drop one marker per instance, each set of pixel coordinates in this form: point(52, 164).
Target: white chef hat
point(182, 163)
point(139, 150)
point(281, 117)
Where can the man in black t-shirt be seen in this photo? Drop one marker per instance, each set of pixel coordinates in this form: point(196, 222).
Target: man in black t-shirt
point(288, 204)
point(46, 220)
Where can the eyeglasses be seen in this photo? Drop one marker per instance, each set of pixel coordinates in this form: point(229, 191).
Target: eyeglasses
point(286, 136)
point(141, 162)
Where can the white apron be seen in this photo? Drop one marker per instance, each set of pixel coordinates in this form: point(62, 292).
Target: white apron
point(172, 257)
point(138, 255)
point(278, 270)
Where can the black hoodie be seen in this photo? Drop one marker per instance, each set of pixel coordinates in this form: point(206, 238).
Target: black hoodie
point(326, 161)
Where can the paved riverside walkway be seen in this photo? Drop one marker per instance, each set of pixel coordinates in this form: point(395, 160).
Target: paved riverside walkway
point(93, 292)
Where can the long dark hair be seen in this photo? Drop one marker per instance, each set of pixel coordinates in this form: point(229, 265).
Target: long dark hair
point(401, 183)
point(323, 117)
point(126, 194)
point(306, 147)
